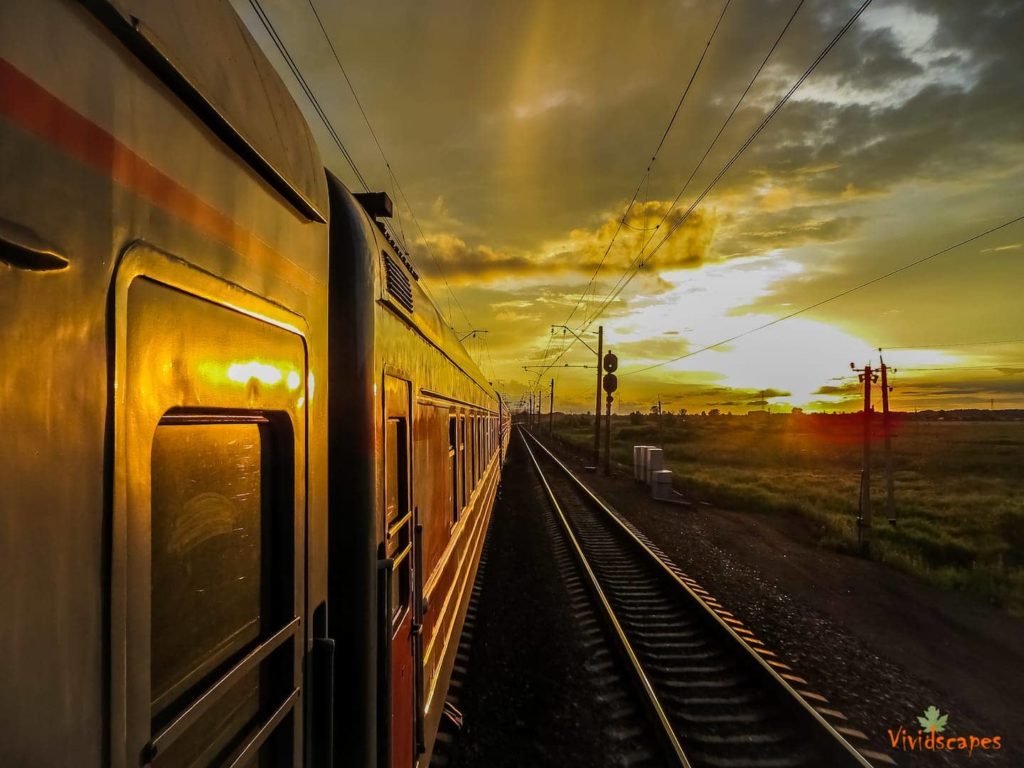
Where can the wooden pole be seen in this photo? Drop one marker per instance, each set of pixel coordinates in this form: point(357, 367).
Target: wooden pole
point(551, 411)
point(890, 507)
point(865, 486)
point(607, 436)
point(597, 405)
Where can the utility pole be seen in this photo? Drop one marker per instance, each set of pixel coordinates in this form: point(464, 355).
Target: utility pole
point(867, 377)
point(551, 411)
point(597, 406)
point(597, 396)
point(611, 382)
point(887, 431)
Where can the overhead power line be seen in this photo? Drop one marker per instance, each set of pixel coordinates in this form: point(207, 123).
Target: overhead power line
point(616, 289)
point(650, 164)
point(268, 25)
point(632, 270)
point(833, 297)
point(725, 123)
point(387, 164)
point(953, 345)
point(1004, 368)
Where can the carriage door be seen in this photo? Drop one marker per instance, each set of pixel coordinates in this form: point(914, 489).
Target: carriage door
point(398, 544)
point(208, 590)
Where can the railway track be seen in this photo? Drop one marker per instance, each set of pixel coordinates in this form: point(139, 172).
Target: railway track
point(714, 700)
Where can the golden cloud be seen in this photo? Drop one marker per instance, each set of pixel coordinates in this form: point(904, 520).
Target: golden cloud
point(640, 234)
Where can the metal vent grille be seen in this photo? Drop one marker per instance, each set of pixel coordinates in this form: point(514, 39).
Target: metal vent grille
point(397, 282)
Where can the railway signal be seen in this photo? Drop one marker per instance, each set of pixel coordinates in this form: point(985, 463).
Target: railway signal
point(610, 364)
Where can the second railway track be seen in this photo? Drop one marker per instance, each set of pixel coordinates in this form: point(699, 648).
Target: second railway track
point(716, 702)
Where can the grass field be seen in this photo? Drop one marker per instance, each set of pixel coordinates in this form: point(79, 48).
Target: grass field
point(958, 486)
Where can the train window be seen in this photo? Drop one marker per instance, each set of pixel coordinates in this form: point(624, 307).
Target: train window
point(473, 442)
point(453, 467)
point(464, 498)
point(206, 550)
point(479, 448)
point(396, 473)
point(220, 583)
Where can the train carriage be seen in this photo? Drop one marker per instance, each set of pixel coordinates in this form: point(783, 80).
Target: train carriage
point(246, 468)
point(426, 456)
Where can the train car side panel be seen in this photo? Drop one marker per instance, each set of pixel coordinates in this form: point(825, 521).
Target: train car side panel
point(93, 171)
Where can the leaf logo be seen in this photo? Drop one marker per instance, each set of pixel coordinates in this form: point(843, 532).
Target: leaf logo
point(933, 720)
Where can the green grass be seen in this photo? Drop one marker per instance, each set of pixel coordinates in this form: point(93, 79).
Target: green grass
point(959, 486)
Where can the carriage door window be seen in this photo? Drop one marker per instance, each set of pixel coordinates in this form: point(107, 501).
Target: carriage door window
point(398, 514)
point(453, 467)
point(220, 591)
point(473, 442)
point(479, 447)
point(464, 488)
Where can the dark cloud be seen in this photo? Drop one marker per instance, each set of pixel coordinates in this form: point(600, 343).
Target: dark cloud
point(753, 234)
point(581, 252)
point(519, 130)
point(831, 389)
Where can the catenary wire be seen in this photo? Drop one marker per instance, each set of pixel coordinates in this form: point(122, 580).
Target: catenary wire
point(736, 106)
point(650, 165)
point(268, 25)
point(396, 185)
point(632, 269)
point(834, 296)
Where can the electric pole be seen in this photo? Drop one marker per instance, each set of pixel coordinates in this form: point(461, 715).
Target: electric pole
point(597, 400)
point(867, 377)
point(887, 432)
point(551, 411)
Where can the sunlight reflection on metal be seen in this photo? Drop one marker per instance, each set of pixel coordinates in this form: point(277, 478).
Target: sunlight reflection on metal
point(243, 373)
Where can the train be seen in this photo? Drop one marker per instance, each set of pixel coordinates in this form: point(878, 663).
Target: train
point(247, 467)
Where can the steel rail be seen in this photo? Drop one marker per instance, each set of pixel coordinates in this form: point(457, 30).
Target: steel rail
point(826, 734)
point(672, 741)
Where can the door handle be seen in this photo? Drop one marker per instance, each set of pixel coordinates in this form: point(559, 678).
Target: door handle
point(22, 248)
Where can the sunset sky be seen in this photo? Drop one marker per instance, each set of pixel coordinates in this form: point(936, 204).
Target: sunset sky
point(519, 130)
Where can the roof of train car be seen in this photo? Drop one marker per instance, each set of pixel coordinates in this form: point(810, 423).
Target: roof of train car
point(448, 341)
point(426, 316)
point(430, 322)
point(207, 45)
